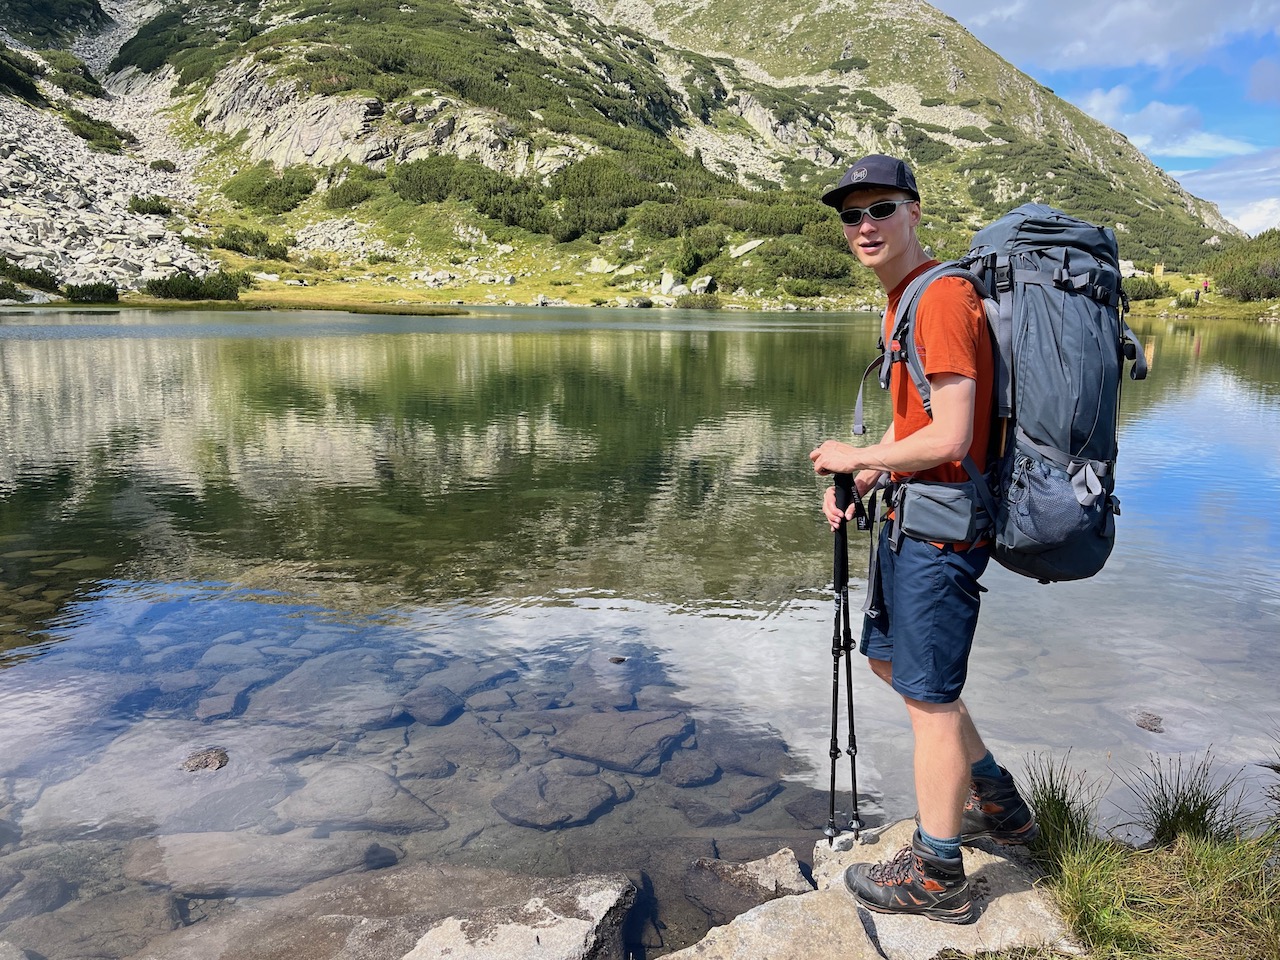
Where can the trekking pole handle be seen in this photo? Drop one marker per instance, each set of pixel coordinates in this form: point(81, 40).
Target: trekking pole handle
point(845, 496)
point(844, 490)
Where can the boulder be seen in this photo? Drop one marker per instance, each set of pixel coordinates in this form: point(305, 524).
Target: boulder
point(561, 793)
point(1013, 910)
point(420, 911)
point(630, 741)
point(242, 864)
point(355, 796)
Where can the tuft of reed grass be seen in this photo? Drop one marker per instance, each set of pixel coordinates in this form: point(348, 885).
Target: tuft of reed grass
point(1066, 807)
point(1184, 801)
point(1207, 886)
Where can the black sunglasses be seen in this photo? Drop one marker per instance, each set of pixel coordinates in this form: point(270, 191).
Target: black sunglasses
point(880, 210)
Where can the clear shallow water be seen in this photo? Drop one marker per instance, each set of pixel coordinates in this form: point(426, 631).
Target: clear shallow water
point(276, 534)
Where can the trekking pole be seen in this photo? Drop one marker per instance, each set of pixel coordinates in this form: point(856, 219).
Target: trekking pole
point(842, 644)
point(841, 541)
point(844, 496)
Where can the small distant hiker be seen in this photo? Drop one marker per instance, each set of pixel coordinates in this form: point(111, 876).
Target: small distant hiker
point(1206, 286)
point(924, 596)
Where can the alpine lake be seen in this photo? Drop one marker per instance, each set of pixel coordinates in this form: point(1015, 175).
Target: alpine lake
point(542, 589)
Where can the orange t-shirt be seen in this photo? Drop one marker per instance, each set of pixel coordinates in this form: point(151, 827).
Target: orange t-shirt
point(952, 337)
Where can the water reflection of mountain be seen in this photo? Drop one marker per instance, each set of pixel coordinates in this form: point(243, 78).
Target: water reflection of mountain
point(447, 464)
point(428, 465)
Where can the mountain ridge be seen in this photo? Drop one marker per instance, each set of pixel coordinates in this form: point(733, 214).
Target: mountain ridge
point(687, 114)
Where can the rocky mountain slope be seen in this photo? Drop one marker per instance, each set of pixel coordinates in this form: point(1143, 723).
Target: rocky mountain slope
point(506, 138)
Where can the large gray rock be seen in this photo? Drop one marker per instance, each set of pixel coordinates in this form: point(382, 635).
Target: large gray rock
point(467, 742)
point(433, 704)
point(724, 889)
point(244, 864)
point(36, 712)
point(824, 924)
point(346, 690)
point(630, 741)
point(138, 784)
point(574, 919)
point(111, 925)
point(419, 911)
point(355, 796)
point(562, 793)
point(1013, 910)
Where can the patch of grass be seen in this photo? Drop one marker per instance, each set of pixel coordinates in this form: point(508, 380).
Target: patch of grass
point(1204, 889)
point(1184, 801)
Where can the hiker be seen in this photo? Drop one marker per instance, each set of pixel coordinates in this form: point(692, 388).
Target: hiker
point(925, 596)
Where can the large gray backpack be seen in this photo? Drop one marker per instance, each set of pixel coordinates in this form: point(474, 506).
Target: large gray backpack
point(1051, 287)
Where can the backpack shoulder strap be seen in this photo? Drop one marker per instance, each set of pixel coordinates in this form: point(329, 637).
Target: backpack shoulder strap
point(904, 326)
point(904, 333)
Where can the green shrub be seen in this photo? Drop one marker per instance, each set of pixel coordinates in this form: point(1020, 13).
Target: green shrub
point(100, 134)
point(347, 194)
point(91, 292)
point(698, 301)
point(153, 206)
point(184, 286)
point(802, 288)
point(1248, 285)
point(17, 76)
point(971, 133)
point(846, 64)
point(68, 72)
point(1146, 288)
point(252, 243)
point(426, 180)
point(923, 148)
point(685, 260)
point(10, 292)
point(36, 277)
point(262, 189)
point(1251, 270)
point(802, 261)
point(164, 166)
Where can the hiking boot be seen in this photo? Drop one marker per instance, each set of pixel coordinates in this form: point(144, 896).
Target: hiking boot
point(995, 809)
point(915, 882)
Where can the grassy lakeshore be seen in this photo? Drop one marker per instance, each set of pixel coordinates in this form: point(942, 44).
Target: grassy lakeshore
point(1206, 885)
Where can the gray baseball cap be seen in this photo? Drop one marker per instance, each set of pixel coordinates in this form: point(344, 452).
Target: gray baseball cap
point(876, 170)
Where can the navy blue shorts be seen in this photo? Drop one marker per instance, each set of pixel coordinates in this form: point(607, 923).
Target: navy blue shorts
point(928, 598)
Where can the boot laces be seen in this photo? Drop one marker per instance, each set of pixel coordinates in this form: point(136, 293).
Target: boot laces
point(896, 870)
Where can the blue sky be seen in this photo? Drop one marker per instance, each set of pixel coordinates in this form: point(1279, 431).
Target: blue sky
point(1193, 84)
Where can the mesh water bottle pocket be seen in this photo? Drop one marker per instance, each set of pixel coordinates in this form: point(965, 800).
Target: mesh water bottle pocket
point(1043, 509)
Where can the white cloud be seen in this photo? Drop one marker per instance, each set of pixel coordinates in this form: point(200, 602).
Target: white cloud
point(1159, 129)
point(1246, 189)
point(1112, 33)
